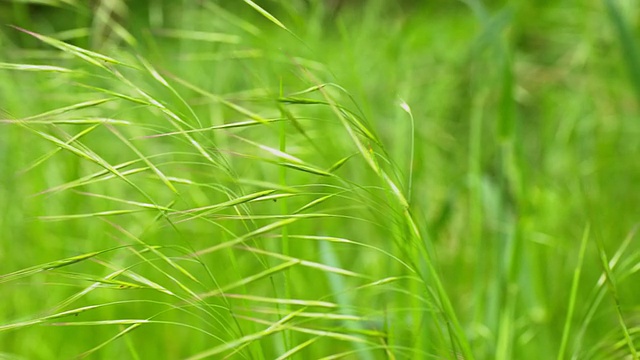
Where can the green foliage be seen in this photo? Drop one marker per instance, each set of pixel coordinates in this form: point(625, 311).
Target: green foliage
point(305, 179)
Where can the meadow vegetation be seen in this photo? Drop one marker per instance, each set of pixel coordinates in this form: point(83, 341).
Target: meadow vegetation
point(307, 179)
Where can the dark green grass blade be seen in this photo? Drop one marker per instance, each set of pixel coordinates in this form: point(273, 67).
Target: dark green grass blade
point(628, 42)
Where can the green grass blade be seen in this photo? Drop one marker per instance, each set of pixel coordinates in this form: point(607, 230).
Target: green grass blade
point(573, 298)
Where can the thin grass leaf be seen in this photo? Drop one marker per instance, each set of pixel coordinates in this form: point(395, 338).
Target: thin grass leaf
point(103, 175)
point(298, 302)
point(66, 109)
point(103, 282)
point(72, 34)
point(239, 124)
point(214, 37)
point(249, 279)
point(307, 169)
point(296, 124)
point(317, 332)
point(47, 156)
point(266, 14)
point(276, 327)
point(232, 18)
point(611, 285)
point(347, 241)
point(339, 163)
point(30, 67)
point(128, 202)
point(313, 203)
point(278, 153)
point(407, 109)
point(154, 73)
point(120, 334)
point(301, 101)
point(305, 315)
point(310, 264)
point(52, 265)
point(307, 90)
point(126, 272)
point(263, 230)
point(174, 119)
point(209, 209)
point(574, 293)
point(166, 259)
point(86, 55)
point(83, 121)
point(117, 95)
point(630, 51)
point(343, 298)
point(129, 273)
point(87, 215)
point(289, 353)
point(229, 104)
point(151, 166)
point(45, 319)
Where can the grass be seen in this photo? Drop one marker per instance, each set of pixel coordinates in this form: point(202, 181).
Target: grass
point(281, 180)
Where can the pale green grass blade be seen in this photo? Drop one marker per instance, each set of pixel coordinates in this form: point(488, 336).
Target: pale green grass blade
point(47, 156)
point(304, 315)
point(128, 202)
point(210, 209)
point(266, 14)
point(313, 203)
point(83, 121)
point(276, 327)
point(232, 18)
point(66, 109)
point(239, 124)
point(126, 272)
point(129, 273)
point(214, 37)
point(51, 265)
point(261, 231)
point(611, 285)
point(115, 337)
point(137, 322)
point(412, 146)
point(574, 294)
point(151, 166)
point(317, 332)
point(249, 279)
point(311, 264)
point(119, 95)
point(297, 302)
point(166, 259)
point(306, 168)
point(347, 241)
point(339, 164)
point(297, 349)
point(105, 213)
point(106, 23)
point(154, 73)
point(91, 57)
point(29, 67)
point(275, 152)
point(100, 176)
point(241, 110)
point(343, 298)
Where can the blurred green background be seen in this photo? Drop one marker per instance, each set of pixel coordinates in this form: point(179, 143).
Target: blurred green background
point(226, 158)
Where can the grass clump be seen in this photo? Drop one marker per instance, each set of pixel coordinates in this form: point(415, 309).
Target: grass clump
point(305, 180)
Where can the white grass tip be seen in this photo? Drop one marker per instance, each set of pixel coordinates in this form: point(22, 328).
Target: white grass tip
point(405, 106)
